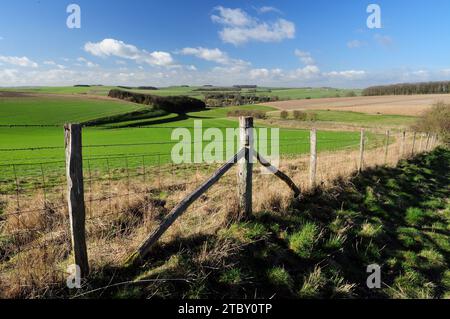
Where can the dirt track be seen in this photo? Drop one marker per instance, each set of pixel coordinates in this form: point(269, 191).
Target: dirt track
point(399, 104)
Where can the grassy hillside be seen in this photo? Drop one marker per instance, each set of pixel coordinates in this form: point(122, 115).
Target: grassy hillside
point(155, 138)
point(58, 110)
point(398, 218)
point(193, 91)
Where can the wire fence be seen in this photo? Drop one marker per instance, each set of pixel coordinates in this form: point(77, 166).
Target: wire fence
point(128, 194)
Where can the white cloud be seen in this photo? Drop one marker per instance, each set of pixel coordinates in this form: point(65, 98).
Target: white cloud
point(232, 17)
point(117, 48)
point(239, 27)
point(87, 63)
point(266, 9)
point(259, 73)
point(53, 63)
point(354, 44)
point(18, 61)
point(307, 72)
point(305, 57)
point(350, 74)
point(221, 75)
point(213, 55)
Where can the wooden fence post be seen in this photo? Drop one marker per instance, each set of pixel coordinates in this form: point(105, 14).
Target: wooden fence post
point(402, 145)
point(245, 167)
point(433, 137)
point(75, 187)
point(421, 143)
point(428, 142)
point(361, 152)
point(413, 144)
point(387, 146)
point(313, 158)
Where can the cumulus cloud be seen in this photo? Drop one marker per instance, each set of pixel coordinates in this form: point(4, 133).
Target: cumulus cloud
point(266, 9)
point(53, 63)
point(18, 61)
point(233, 17)
point(305, 57)
point(259, 73)
point(212, 55)
point(87, 63)
point(239, 27)
point(222, 75)
point(117, 48)
point(307, 72)
point(350, 74)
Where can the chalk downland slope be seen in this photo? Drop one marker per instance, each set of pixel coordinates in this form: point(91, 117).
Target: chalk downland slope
point(319, 247)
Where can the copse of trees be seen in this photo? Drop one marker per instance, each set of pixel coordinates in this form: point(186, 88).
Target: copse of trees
point(227, 99)
point(253, 113)
point(171, 104)
point(442, 87)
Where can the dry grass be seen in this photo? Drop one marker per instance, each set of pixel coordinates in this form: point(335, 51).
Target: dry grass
point(412, 105)
point(35, 243)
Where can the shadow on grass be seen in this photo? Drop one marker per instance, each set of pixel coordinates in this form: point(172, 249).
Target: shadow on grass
point(320, 247)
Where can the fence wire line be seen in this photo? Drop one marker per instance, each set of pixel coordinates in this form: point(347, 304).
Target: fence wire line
point(133, 181)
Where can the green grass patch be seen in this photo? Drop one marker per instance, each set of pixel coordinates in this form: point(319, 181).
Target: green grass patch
point(303, 241)
point(278, 276)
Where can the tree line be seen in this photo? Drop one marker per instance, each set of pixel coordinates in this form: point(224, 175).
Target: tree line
point(442, 87)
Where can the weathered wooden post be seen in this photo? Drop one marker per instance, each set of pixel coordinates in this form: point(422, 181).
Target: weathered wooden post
point(433, 137)
point(402, 144)
point(421, 143)
point(313, 158)
point(428, 142)
point(75, 186)
point(386, 146)
point(361, 151)
point(245, 167)
point(413, 144)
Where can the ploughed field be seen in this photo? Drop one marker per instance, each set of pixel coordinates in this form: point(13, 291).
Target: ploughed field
point(410, 105)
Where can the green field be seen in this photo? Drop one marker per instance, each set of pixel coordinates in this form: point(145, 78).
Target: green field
point(349, 117)
point(45, 110)
point(193, 91)
point(140, 140)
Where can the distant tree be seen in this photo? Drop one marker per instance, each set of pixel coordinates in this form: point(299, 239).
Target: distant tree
point(311, 117)
point(299, 115)
point(284, 115)
point(350, 94)
point(442, 87)
point(436, 120)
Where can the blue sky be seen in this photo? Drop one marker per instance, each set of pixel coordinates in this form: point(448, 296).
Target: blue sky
point(275, 43)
